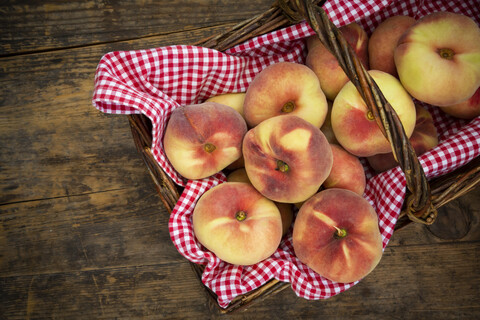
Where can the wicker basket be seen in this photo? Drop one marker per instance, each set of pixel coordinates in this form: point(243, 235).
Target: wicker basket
point(423, 197)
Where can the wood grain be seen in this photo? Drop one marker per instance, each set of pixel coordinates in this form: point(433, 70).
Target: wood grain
point(418, 291)
point(32, 26)
point(83, 234)
point(49, 127)
point(127, 292)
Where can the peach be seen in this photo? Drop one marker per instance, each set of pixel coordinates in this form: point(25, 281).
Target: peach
point(202, 139)
point(286, 209)
point(424, 138)
point(285, 88)
point(238, 175)
point(383, 41)
point(354, 125)
point(287, 158)
point(326, 128)
point(336, 234)
point(468, 109)
point(234, 100)
point(438, 58)
point(347, 172)
point(237, 223)
point(286, 213)
point(325, 65)
point(239, 163)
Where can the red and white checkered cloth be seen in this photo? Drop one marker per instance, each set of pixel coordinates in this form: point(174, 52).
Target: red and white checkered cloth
point(156, 81)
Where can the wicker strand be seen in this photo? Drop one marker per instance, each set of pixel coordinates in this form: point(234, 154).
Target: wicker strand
point(462, 184)
point(267, 21)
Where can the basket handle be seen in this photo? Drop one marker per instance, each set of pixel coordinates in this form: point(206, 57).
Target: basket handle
point(419, 207)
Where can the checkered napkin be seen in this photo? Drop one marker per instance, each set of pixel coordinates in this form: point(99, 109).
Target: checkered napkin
point(156, 81)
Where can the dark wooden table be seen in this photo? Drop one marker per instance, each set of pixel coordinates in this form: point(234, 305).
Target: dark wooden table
point(83, 234)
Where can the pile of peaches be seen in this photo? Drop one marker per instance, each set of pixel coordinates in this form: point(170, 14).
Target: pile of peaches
point(292, 142)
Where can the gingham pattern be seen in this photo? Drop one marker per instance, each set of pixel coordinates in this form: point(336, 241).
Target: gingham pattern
point(156, 81)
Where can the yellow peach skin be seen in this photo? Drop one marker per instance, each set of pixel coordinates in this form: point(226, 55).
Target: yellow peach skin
point(336, 234)
point(287, 158)
point(286, 209)
point(234, 100)
point(285, 88)
point(238, 175)
point(200, 140)
point(355, 127)
point(237, 223)
point(326, 128)
point(438, 58)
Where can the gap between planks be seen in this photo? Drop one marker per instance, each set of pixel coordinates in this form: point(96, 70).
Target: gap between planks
point(62, 197)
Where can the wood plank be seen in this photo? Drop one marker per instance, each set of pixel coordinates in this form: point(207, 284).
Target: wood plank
point(459, 220)
point(92, 235)
point(152, 292)
point(54, 142)
point(114, 228)
point(414, 282)
point(410, 283)
point(32, 26)
point(126, 227)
